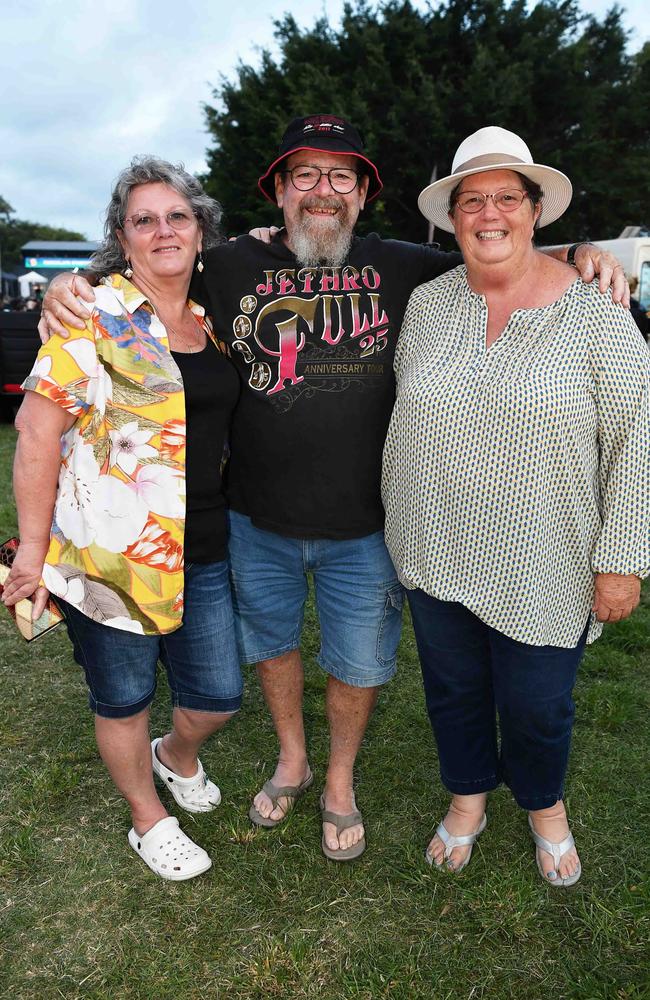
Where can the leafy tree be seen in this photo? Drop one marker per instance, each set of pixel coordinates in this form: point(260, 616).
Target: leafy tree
point(14, 233)
point(416, 83)
point(5, 209)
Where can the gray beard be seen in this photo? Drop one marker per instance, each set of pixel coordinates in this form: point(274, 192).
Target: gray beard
point(321, 250)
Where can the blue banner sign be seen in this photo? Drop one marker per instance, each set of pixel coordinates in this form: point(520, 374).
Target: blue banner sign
point(62, 263)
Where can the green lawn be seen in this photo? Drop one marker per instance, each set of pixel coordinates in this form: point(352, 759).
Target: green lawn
point(81, 916)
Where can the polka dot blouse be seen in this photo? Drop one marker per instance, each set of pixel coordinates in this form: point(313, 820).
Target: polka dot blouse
point(513, 474)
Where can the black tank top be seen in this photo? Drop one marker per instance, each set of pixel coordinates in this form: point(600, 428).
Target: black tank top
point(211, 386)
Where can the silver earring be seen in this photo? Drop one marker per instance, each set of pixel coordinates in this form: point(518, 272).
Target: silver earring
point(199, 266)
point(128, 271)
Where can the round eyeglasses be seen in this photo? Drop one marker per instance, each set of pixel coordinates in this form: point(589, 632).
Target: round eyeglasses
point(145, 222)
point(507, 200)
point(305, 178)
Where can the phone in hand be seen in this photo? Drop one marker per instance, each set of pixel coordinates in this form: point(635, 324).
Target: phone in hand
point(21, 612)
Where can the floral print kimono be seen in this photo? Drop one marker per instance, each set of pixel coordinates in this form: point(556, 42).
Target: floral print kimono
point(116, 547)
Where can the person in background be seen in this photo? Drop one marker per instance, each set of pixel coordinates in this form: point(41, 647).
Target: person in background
point(517, 491)
point(121, 439)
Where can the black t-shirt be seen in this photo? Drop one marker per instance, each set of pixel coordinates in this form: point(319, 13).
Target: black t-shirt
point(211, 387)
point(315, 352)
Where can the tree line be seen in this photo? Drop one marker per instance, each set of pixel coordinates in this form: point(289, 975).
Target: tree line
point(417, 82)
point(14, 233)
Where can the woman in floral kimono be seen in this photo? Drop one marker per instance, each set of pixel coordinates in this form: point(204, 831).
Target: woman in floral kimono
point(117, 477)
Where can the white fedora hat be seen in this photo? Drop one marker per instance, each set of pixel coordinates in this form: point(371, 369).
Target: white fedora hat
point(494, 148)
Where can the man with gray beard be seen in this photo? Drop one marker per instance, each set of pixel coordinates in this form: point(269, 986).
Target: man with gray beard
point(318, 244)
point(304, 489)
point(321, 234)
point(311, 320)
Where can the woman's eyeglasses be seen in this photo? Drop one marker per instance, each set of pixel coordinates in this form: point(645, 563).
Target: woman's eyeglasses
point(144, 222)
point(507, 200)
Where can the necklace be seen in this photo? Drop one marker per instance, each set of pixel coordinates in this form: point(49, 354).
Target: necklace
point(190, 346)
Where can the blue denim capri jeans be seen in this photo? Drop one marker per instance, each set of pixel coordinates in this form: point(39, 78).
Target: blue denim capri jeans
point(471, 674)
point(200, 657)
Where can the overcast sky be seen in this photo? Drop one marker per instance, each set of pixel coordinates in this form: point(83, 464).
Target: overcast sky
point(87, 84)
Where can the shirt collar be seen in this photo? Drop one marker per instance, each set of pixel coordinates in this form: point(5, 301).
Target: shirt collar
point(132, 298)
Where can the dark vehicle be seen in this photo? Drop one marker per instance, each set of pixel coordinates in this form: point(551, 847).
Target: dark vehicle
point(19, 344)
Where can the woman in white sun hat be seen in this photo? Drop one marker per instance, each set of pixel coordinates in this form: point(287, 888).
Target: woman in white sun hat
point(517, 491)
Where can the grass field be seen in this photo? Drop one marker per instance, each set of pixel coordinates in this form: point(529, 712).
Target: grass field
point(81, 916)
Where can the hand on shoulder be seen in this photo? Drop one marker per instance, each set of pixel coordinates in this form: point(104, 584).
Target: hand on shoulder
point(62, 308)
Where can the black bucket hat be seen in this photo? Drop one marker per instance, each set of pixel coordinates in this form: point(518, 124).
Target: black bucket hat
point(328, 134)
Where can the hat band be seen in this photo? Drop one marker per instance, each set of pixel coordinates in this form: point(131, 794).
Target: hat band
point(487, 160)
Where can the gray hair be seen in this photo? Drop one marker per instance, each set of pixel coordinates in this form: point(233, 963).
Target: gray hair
point(109, 257)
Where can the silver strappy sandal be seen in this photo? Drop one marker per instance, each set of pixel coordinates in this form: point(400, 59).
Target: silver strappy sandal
point(450, 842)
point(556, 851)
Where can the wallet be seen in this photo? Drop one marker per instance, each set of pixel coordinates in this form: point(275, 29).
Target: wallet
point(21, 612)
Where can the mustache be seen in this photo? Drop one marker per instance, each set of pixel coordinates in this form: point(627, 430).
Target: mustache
point(317, 202)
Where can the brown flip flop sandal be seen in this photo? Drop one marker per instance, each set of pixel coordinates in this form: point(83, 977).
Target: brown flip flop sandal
point(291, 792)
point(341, 822)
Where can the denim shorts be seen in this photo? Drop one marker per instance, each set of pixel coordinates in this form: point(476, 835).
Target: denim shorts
point(358, 599)
point(200, 657)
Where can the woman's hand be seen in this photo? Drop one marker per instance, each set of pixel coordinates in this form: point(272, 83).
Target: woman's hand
point(60, 305)
point(616, 596)
point(25, 577)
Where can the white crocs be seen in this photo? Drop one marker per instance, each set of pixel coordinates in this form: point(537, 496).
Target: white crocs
point(196, 794)
point(169, 852)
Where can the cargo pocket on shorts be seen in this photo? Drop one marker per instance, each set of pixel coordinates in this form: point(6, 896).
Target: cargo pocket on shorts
point(390, 626)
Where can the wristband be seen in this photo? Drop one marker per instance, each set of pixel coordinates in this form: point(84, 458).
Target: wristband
point(571, 253)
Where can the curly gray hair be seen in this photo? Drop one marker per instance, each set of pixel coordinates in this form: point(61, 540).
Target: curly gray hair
point(109, 257)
